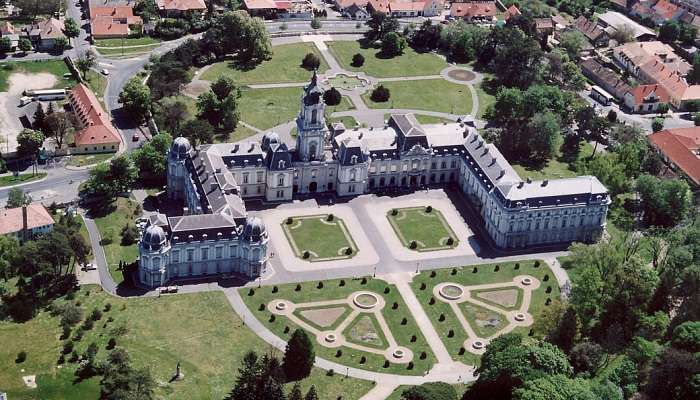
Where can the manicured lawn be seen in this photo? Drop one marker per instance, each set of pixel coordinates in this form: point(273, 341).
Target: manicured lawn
point(409, 63)
point(9, 180)
point(429, 230)
point(554, 169)
point(349, 122)
point(430, 95)
point(396, 395)
point(126, 51)
point(265, 108)
point(55, 67)
point(81, 160)
point(424, 283)
point(97, 83)
point(429, 119)
point(485, 100)
point(323, 239)
point(284, 66)
point(110, 227)
point(345, 105)
point(199, 330)
point(241, 132)
point(126, 42)
point(332, 290)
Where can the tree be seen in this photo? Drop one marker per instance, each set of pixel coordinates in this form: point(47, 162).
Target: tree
point(9, 247)
point(136, 98)
point(567, 330)
point(688, 34)
point(121, 381)
point(674, 376)
point(393, 44)
point(358, 60)
point(295, 394)
point(59, 124)
point(572, 42)
point(60, 44)
point(39, 119)
point(33, 8)
point(122, 173)
point(669, 31)
point(380, 24)
point(332, 97)
point(223, 87)
point(85, 61)
point(30, 141)
point(586, 357)
point(310, 62)
point(151, 159)
point(657, 124)
point(198, 131)
point(24, 45)
point(686, 336)
point(5, 45)
point(298, 356)
point(169, 114)
point(430, 391)
point(380, 94)
point(17, 198)
point(240, 34)
point(311, 394)
point(545, 138)
point(555, 387)
point(71, 28)
point(664, 202)
point(316, 23)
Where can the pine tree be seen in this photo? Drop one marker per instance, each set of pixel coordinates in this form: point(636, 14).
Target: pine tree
point(298, 356)
point(39, 119)
point(295, 394)
point(311, 394)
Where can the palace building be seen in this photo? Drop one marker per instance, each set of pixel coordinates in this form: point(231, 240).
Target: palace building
point(216, 236)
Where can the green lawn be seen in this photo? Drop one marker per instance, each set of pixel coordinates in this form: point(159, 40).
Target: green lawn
point(323, 239)
point(410, 63)
point(429, 230)
point(284, 66)
point(430, 95)
point(55, 67)
point(332, 290)
point(9, 180)
point(424, 283)
point(97, 83)
point(81, 160)
point(199, 330)
point(349, 122)
point(117, 42)
point(265, 108)
point(126, 51)
point(110, 227)
point(429, 119)
point(485, 100)
point(554, 169)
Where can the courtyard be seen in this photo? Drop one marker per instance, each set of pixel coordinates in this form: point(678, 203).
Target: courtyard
point(321, 237)
point(422, 228)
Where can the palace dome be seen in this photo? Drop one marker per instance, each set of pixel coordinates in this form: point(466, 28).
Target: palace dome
point(269, 139)
point(154, 238)
point(254, 229)
point(181, 148)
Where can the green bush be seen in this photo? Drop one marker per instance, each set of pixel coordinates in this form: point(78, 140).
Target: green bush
point(21, 357)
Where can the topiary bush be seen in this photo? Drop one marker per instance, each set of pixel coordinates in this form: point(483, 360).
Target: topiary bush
point(320, 285)
point(394, 211)
point(311, 62)
point(422, 286)
point(517, 266)
point(475, 270)
point(363, 360)
point(450, 241)
point(275, 289)
point(497, 268)
point(380, 94)
point(342, 282)
point(339, 353)
point(395, 306)
point(404, 321)
point(363, 281)
point(289, 220)
point(413, 244)
point(306, 254)
point(431, 301)
point(358, 60)
point(387, 290)
point(297, 288)
point(429, 209)
point(330, 217)
point(413, 338)
point(251, 292)
point(348, 251)
point(21, 357)
point(454, 271)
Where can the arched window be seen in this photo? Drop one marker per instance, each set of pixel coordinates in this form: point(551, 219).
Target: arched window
point(314, 115)
point(353, 175)
point(353, 160)
point(281, 164)
point(280, 180)
point(312, 150)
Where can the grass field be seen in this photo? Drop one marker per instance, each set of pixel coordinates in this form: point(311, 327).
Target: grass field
point(55, 67)
point(126, 51)
point(97, 83)
point(429, 229)
point(429, 119)
point(332, 290)
point(410, 63)
point(430, 95)
point(284, 66)
point(485, 274)
point(199, 330)
point(323, 239)
point(117, 42)
point(554, 169)
point(485, 100)
point(81, 160)
point(9, 180)
point(110, 227)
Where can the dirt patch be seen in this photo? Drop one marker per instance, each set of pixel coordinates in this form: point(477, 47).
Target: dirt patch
point(503, 297)
point(19, 82)
point(364, 331)
point(461, 75)
point(323, 317)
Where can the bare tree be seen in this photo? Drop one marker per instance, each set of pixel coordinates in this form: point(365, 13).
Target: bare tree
point(59, 124)
point(86, 61)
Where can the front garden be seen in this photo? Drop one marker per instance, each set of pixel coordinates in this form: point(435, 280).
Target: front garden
point(319, 237)
point(422, 228)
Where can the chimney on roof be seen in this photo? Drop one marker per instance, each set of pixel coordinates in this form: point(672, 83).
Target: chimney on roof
point(545, 182)
point(25, 224)
point(529, 180)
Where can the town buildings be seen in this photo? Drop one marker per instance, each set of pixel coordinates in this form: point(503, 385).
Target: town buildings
point(477, 12)
point(97, 134)
point(680, 149)
point(178, 8)
point(25, 223)
point(114, 22)
point(45, 33)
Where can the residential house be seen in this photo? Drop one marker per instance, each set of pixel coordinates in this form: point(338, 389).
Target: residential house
point(478, 12)
point(399, 9)
point(690, 5)
point(8, 30)
point(114, 22)
point(378, 6)
point(646, 98)
point(645, 59)
point(43, 34)
point(679, 149)
point(25, 223)
point(177, 8)
point(595, 35)
point(612, 21)
point(544, 26)
point(433, 8)
point(560, 22)
point(664, 11)
point(97, 134)
point(266, 9)
point(356, 12)
point(605, 78)
point(343, 4)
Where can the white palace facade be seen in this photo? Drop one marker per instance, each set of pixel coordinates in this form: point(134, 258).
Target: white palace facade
point(215, 235)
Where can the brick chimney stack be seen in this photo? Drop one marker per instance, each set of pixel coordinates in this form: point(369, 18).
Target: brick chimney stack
point(25, 224)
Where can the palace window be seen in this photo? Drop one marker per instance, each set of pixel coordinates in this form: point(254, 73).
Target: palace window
point(313, 173)
point(260, 176)
point(176, 256)
point(205, 253)
point(353, 175)
point(190, 254)
point(219, 252)
point(280, 180)
point(245, 177)
point(443, 165)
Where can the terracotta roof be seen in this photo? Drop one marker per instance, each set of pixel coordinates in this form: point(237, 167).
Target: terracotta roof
point(97, 128)
point(106, 26)
point(512, 11)
point(342, 4)
point(121, 12)
point(642, 92)
point(6, 28)
point(50, 28)
point(181, 5)
point(379, 5)
point(680, 146)
point(544, 23)
point(474, 9)
point(406, 6)
point(11, 218)
point(588, 28)
point(665, 9)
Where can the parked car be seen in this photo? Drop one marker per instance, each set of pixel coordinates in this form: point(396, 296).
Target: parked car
point(135, 138)
point(89, 267)
point(105, 71)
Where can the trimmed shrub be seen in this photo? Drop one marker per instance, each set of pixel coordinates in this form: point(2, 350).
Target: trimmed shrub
point(422, 286)
point(261, 307)
point(404, 321)
point(394, 211)
point(363, 281)
point(348, 251)
point(548, 290)
point(311, 61)
point(306, 254)
point(363, 360)
point(461, 351)
point(342, 282)
point(112, 343)
point(358, 60)
point(429, 209)
point(450, 241)
point(320, 285)
point(441, 318)
point(548, 301)
point(431, 301)
point(386, 364)
point(413, 338)
point(330, 372)
point(108, 307)
point(395, 306)
point(497, 268)
point(289, 220)
point(332, 97)
point(286, 329)
point(275, 289)
point(387, 290)
point(413, 244)
point(251, 292)
point(546, 277)
point(380, 94)
point(21, 357)
point(517, 266)
point(537, 264)
point(272, 318)
point(339, 353)
point(423, 355)
point(475, 270)
point(410, 365)
point(450, 333)
point(329, 218)
point(297, 288)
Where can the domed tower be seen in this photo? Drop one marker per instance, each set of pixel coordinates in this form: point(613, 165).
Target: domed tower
point(154, 251)
point(179, 152)
point(269, 140)
point(254, 248)
point(311, 122)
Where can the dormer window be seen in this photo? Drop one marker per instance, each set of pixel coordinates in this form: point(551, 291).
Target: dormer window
point(281, 164)
point(353, 160)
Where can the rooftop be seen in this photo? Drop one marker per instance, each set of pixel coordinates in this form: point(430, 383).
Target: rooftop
point(11, 218)
point(680, 146)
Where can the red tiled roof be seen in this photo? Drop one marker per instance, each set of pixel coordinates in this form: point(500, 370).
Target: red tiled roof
point(181, 5)
point(379, 5)
point(11, 218)
point(512, 11)
point(474, 9)
point(641, 92)
point(665, 9)
point(680, 146)
point(97, 128)
point(106, 26)
point(406, 5)
point(343, 4)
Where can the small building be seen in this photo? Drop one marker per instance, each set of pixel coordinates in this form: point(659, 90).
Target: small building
point(476, 12)
point(178, 8)
point(97, 135)
point(664, 10)
point(399, 9)
point(377, 6)
point(595, 35)
point(612, 21)
point(114, 22)
point(679, 149)
point(544, 26)
point(25, 223)
point(8, 30)
point(356, 12)
point(605, 78)
point(646, 98)
point(341, 5)
point(43, 34)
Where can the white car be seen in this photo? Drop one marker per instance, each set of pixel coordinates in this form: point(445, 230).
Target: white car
point(89, 267)
point(105, 71)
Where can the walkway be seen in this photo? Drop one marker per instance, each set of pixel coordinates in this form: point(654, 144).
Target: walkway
point(106, 280)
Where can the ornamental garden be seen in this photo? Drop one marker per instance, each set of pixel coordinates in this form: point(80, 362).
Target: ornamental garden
point(321, 237)
point(422, 228)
